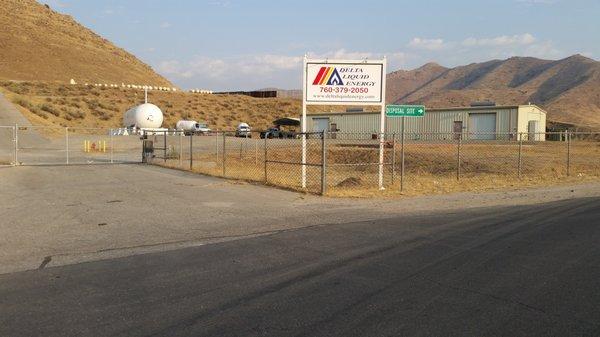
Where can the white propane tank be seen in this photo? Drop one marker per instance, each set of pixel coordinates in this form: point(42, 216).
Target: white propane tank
point(187, 126)
point(144, 116)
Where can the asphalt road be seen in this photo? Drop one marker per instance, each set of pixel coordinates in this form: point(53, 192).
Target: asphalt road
point(510, 271)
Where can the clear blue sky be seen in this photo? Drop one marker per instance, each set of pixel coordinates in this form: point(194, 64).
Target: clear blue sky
point(234, 44)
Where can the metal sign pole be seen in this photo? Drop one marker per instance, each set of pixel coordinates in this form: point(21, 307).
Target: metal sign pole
point(402, 155)
point(382, 125)
point(303, 123)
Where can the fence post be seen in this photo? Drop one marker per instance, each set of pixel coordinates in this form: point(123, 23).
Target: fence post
point(17, 144)
point(568, 133)
point(16, 140)
point(266, 157)
point(255, 151)
point(216, 147)
point(112, 145)
point(393, 158)
point(323, 163)
point(67, 142)
point(165, 145)
point(180, 149)
point(458, 157)
point(224, 153)
point(402, 157)
point(520, 167)
point(191, 151)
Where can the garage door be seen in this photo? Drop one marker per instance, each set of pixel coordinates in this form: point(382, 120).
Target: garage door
point(482, 126)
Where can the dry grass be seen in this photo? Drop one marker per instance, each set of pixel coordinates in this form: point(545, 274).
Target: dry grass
point(429, 168)
point(53, 104)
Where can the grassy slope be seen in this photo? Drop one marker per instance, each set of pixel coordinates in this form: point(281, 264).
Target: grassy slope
point(39, 44)
point(54, 104)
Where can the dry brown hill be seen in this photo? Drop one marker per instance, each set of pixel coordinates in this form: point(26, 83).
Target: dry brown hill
point(39, 44)
point(569, 89)
point(55, 104)
point(403, 82)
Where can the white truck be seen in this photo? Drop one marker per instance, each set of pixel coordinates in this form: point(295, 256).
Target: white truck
point(192, 127)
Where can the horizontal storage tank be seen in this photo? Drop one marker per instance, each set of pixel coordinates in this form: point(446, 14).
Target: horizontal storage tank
point(191, 126)
point(145, 116)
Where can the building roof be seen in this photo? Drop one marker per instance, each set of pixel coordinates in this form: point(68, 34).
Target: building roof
point(287, 121)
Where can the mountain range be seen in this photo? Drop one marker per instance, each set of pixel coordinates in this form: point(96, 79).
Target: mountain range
point(569, 89)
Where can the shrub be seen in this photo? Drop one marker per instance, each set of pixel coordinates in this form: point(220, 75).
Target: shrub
point(49, 108)
point(105, 116)
point(93, 104)
point(23, 102)
point(18, 87)
point(107, 107)
point(75, 114)
point(38, 112)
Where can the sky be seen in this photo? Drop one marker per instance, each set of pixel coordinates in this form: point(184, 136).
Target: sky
point(245, 45)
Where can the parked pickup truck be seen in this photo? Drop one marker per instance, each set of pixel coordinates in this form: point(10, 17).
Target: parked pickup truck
point(277, 133)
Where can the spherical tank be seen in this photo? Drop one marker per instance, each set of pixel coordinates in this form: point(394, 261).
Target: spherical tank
point(144, 116)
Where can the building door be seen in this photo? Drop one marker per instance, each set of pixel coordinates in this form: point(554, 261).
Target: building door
point(533, 130)
point(458, 128)
point(482, 126)
point(321, 124)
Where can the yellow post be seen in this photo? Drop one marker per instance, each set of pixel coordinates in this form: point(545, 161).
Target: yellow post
point(104, 146)
point(85, 146)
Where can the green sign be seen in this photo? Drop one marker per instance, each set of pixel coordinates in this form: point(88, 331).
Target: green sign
point(405, 110)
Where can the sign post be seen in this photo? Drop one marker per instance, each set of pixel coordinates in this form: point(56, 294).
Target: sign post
point(344, 82)
point(404, 111)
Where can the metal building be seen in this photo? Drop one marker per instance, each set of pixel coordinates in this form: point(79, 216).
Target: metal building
point(475, 122)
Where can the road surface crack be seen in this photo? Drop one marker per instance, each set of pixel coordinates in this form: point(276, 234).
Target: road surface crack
point(45, 262)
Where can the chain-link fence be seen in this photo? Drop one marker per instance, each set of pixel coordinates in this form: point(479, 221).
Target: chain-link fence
point(43, 145)
point(351, 163)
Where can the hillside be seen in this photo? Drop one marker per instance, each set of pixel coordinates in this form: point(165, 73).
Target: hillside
point(53, 104)
point(403, 82)
point(39, 44)
point(569, 89)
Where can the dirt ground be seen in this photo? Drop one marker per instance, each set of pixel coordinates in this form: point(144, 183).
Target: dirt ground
point(430, 168)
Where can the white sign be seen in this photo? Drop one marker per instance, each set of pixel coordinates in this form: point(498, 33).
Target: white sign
point(344, 82)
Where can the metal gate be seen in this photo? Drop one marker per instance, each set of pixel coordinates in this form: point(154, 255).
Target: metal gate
point(41, 145)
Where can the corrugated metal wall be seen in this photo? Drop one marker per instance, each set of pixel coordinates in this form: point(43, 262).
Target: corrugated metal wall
point(436, 121)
